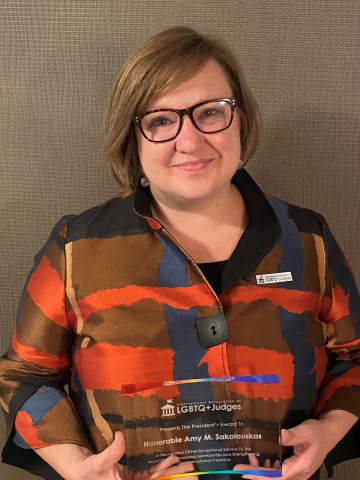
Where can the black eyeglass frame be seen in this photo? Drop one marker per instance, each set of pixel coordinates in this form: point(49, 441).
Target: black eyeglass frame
point(186, 111)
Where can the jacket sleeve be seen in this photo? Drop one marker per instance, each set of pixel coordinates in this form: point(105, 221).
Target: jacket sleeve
point(37, 366)
point(341, 386)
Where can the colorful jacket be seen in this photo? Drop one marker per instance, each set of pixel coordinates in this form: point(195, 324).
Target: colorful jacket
point(112, 299)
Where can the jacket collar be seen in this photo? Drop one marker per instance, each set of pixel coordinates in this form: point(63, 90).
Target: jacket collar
point(259, 237)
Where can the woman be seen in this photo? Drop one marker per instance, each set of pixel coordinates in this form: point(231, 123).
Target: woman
point(123, 292)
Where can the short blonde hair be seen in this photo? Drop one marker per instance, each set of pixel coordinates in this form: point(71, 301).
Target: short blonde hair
point(163, 63)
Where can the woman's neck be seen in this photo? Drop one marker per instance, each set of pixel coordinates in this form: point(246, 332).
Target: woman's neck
point(210, 209)
point(209, 232)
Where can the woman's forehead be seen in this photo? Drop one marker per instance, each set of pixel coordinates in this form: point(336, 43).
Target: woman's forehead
point(209, 82)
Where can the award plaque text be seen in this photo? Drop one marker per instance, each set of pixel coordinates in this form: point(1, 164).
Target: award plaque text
point(215, 423)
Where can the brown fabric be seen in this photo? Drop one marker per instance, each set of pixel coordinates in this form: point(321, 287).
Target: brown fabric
point(58, 63)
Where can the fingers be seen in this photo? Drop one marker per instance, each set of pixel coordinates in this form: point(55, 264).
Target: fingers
point(287, 438)
point(166, 463)
point(254, 465)
point(185, 467)
point(169, 466)
point(253, 460)
point(109, 457)
point(302, 433)
point(118, 445)
point(292, 436)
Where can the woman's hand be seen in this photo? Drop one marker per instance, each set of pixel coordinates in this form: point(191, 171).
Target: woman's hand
point(312, 440)
point(103, 465)
point(73, 462)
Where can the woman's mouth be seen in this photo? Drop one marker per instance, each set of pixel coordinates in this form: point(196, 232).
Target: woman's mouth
point(193, 166)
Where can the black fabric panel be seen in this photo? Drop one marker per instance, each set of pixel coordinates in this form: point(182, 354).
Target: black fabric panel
point(107, 220)
point(306, 220)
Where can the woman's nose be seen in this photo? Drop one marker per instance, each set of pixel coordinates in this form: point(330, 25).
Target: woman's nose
point(189, 137)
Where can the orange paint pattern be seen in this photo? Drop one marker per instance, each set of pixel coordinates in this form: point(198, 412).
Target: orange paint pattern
point(294, 301)
point(153, 223)
point(347, 379)
point(44, 359)
point(178, 297)
point(48, 292)
point(353, 343)
point(244, 360)
point(25, 427)
point(105, 366)
point(216, 357)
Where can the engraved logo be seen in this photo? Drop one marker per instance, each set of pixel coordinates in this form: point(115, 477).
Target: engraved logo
point(168, 410)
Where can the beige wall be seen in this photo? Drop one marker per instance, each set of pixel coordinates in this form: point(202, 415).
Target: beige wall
point(59, 58)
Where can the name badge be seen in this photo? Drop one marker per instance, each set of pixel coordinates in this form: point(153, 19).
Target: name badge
point(274, 278)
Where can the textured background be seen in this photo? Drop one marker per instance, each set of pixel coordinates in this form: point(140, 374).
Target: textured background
point(59, 59)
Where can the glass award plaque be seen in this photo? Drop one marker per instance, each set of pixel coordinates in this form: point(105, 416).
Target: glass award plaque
point(221, 425)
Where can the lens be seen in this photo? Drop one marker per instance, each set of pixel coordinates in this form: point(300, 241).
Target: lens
point(212, 116)
point(161, 125)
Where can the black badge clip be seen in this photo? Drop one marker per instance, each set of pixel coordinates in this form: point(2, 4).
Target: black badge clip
point(212, 330)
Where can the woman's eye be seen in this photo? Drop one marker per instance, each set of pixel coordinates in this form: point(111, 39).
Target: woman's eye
point(211, 115)
point(210, 112)
point(159, 122)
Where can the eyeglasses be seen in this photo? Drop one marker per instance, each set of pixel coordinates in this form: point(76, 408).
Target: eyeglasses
point(164, 124)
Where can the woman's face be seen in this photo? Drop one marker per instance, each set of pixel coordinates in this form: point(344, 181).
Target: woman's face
point(194, 167)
